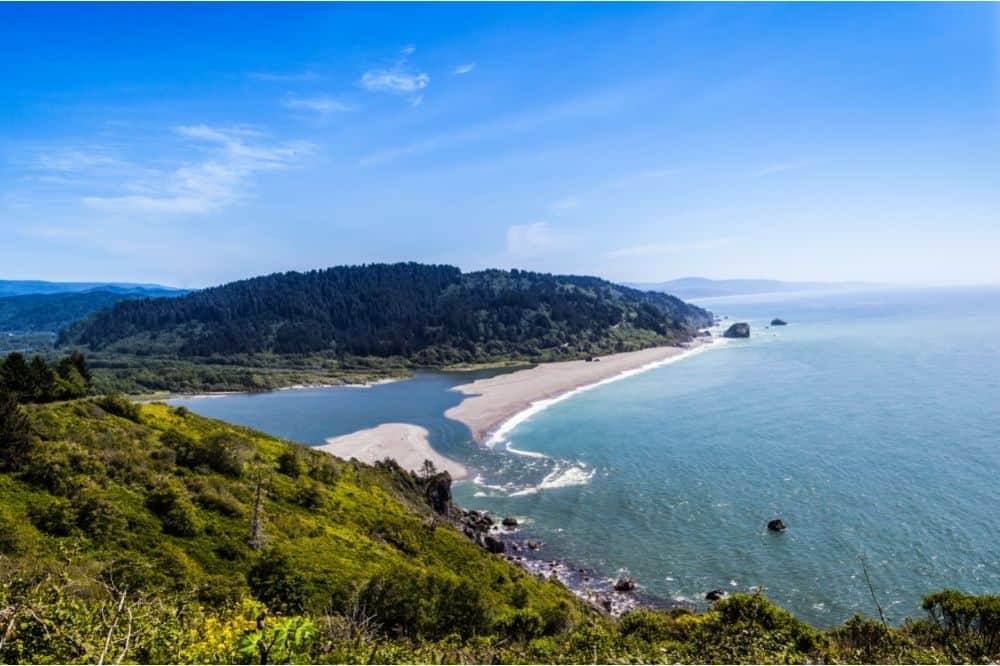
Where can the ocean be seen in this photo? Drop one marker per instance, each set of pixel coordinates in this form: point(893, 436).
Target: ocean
point(870, 425)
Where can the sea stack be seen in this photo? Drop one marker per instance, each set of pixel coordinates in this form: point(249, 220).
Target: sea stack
point(738, 330)
point(779, 322)
point(777, 525)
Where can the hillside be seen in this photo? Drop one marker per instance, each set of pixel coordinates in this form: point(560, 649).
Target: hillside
point(52, 312)
point(430, 316)
point(127, 534)
point(25, 287)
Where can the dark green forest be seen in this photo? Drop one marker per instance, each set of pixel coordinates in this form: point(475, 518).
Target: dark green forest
point(429, 315)
point(52, 312)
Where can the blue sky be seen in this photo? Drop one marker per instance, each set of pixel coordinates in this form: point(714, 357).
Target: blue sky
point(194, 144)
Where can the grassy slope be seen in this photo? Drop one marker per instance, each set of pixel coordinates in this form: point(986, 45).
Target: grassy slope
point(80, 524)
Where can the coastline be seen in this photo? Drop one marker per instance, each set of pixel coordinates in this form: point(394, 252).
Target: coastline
point(406, 443)
point(497, 405)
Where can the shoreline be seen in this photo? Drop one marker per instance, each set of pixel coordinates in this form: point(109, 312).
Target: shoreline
point(405, 443)
point(497, 405)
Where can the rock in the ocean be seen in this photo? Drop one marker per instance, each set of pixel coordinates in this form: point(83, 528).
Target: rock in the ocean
point(533, 544)
point(738, 330)
point(493, 544)
point(509, 521)
point(625, 584)
point(779, 322)
point(716, 595)
point(776, 525)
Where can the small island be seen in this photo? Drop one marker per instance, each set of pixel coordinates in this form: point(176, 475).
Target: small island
point(779, 322)
point(738, 330)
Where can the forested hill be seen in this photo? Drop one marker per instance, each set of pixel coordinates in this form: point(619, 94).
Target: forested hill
point(429, 314)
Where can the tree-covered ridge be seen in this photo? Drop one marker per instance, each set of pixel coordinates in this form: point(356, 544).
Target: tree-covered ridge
point(52, 312)
point(38, 381)
point(431, 315)
point(147, 534)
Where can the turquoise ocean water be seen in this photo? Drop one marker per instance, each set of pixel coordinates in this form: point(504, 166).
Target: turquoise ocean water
point(870, 425)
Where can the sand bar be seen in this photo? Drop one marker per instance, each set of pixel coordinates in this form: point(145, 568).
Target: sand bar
point(404, 442)
point(496, 400)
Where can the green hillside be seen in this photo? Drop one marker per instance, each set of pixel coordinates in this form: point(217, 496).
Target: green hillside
point(427, 315)
point(148, 534)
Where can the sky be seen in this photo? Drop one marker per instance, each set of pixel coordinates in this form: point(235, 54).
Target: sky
point(195, 144)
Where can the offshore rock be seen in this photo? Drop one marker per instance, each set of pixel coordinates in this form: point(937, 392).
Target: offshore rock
point(777, 525)
point(738, 330)
point(716, 595)
point(625, 584)
point(779, 322)
point(509, 521)
point(492, 544)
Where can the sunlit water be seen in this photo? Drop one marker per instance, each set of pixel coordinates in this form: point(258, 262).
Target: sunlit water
point(870, 425)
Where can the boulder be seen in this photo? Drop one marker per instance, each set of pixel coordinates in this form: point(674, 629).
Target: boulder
point(437, 491)
point(716, 595)
point(534, 544)
point(625, 584)
point(779, 322)
point(740, 329)
point(493, 544)
point(776, 525)
point(509, 521)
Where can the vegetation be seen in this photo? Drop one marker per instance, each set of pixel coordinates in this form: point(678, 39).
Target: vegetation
point(410, 314)
point(37, 381)
point(148, 534)
point(52, 312)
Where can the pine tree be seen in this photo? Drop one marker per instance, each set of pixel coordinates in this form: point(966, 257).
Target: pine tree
point(15, 440)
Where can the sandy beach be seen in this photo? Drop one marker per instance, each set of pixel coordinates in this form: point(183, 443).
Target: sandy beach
point(404, 442)
point(494, 401)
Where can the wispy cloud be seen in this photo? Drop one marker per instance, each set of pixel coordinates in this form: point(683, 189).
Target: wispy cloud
point(780, 167)
point(463, 69)
point(322, 104)
point(653, 249)
point(288, 77)
point(222, 178)
point(394, 81)
point(398, 79)
point(505, 126)
point(75, 160)
point(530, 240)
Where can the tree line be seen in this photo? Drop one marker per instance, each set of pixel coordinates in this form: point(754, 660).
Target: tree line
point(39, 381)
point(409, 310)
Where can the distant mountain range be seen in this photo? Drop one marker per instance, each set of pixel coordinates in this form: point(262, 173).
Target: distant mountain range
point(25, 287)
point(699, 287)
point(46, 307)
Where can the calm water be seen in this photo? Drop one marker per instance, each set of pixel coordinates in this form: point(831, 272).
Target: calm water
point(870, 425)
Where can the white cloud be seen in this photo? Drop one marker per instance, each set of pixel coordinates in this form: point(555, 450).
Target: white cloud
point(530, 240)
point(464, 69)
point(67, 161)
point(221, 179)
point(408, 50)
point(394, 81)
point(322, 104)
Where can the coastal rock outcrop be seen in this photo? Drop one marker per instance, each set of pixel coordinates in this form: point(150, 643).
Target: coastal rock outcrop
point(716, 595)
point(776, 525)
point(625, 583)
point(779, 322)
point(493, 544)
point(437, 491)
point(509, 521)
point(738, 330)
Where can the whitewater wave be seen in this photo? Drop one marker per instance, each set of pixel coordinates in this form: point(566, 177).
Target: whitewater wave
point(575, 475)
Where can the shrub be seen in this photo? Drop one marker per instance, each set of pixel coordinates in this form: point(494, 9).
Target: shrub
point(15, 440)
point(118, 405)
point(97, 516)
point(522, 624)
point(55, 516)
point(425, 604)
point(968, 624)
point(289, 463)
point(176, 512)
point(277, 583)
point(219, 452)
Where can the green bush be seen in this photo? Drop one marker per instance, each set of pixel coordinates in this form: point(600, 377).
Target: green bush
point(968, 624)
point(275, 581)
point(171, 504)
point(55, 516)
point(119, 405)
